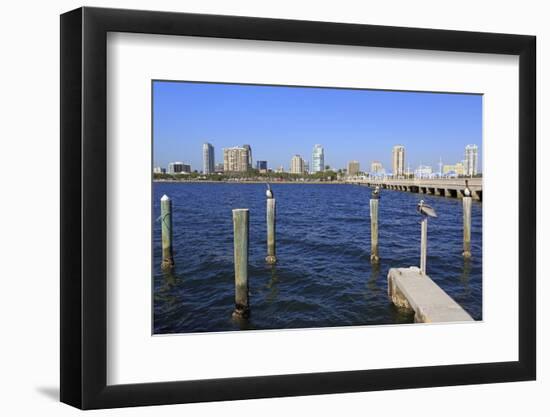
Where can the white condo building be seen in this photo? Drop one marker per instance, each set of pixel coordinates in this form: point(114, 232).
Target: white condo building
point(235, 159)
point(470, 160)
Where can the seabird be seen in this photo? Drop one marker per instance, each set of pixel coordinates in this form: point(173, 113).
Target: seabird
point(268, 193)
point(425, 209)
point(467, 191)
point(376, 192)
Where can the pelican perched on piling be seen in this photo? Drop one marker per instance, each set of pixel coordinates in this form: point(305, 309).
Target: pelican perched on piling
point(268, 192)
point(376, 193)
point(425, 209)
point(467, 191)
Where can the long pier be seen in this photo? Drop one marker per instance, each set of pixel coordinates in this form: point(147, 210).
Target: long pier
point(447, 187)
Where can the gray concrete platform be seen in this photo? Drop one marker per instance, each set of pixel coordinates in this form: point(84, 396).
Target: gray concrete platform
point(408, 288)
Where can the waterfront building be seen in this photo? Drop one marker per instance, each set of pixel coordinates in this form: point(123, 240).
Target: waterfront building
point(249, 149)
point(318, 159)
point(456, 169)
point(297, 165)
point(235, 159)
point(159, 170)
point(261, 166)
point(306, 167)
point(353, 168)
point(178, 168)
point(207, 158)
point(423, 171)
point(398, 161)
point(470, 160)
point(448, 169)
point(459, 168)
point(219, 167)
point(280, 169)
point(376, 168)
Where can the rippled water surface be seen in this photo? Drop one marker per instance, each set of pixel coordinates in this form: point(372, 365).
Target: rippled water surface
point(323, 276)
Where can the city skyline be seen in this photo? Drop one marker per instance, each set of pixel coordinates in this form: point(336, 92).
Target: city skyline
point(279, 122)
point(400, 166)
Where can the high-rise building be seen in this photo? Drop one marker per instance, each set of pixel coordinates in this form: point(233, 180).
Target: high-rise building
point(159, 170)
point(178, 167)
point(261, 165)
point(208, 163)
point(376, 167)
point(249, 149)
point(353, 168)
point(398, 160)
point(306, 167)
point(297, 165)
point(219, 167)
point(235, 159)
point(318, 159)
point(470, 160)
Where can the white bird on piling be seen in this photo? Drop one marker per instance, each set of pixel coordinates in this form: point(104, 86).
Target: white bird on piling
point(269, 192)
point(376, 193)
point(425, 209)
point(467, 191)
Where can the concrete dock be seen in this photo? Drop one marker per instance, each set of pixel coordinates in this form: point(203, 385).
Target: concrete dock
point(409, 288)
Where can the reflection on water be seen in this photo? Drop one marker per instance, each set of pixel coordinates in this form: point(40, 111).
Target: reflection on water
point(372, 283)
point(323, 276)
point(272, 285)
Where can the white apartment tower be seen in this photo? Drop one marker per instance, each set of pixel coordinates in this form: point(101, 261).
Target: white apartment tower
point(470, 160)
point(235, 159)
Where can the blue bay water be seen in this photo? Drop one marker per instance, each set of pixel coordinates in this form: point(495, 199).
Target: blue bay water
point(323, 276)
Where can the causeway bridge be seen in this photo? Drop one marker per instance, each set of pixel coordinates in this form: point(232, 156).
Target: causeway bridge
point(447, 187)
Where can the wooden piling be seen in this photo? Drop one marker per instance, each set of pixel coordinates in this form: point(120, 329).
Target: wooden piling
point(271, 257)
point(374, 230)
point(423, 245)
point(467, 218)
point(240, 244)
point(166, 231)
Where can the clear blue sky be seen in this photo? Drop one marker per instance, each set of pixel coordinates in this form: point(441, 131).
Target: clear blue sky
point(279, 122)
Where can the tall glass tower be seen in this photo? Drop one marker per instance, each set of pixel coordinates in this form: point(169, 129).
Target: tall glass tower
point(318, 159)
point(208, 163)
point(249, 149)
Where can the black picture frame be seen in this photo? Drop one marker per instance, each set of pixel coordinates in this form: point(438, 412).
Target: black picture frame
point(84, 207)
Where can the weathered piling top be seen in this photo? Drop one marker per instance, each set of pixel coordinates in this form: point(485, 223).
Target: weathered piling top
point(409, 288)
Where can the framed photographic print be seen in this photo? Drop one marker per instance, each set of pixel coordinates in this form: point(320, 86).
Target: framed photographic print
point(258, 207)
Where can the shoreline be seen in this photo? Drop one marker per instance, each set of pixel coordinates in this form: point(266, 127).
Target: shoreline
point(252, 182)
